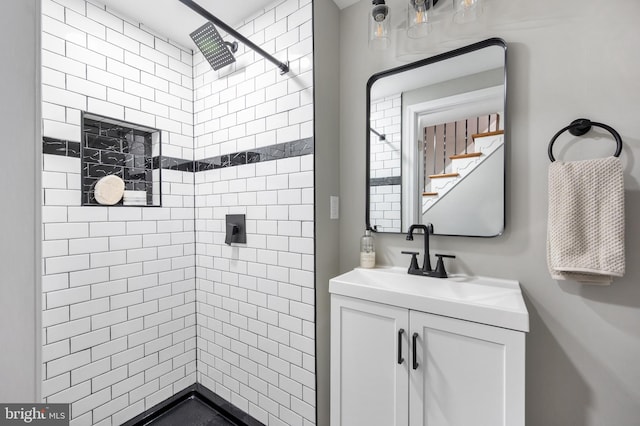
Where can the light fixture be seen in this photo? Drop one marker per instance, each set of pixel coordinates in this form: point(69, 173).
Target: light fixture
point(466, 10)
point(419, 17)
point(379, 26)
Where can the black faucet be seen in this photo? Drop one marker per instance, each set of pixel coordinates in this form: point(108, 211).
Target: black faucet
point(426, 270)
point(427, 229)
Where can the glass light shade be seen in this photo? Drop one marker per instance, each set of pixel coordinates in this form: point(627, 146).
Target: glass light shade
point(466, 10)
point(379, 26)
point(418, 18)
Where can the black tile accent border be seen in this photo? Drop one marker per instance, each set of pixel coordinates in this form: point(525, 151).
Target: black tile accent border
point(204, 395)
point(269, 153)
point(257, 155)
point(172, 163)
point(60, 147)
point(392, 180)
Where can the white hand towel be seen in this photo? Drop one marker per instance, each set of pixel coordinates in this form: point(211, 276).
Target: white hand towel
point(585, 229)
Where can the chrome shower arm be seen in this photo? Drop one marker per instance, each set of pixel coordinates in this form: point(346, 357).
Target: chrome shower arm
point(284, 67)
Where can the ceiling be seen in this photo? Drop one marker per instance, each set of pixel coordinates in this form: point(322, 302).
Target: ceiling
point(345, 3)
point(176, 21)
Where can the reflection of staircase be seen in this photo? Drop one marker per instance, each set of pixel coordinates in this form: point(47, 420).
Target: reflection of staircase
point(461, 166)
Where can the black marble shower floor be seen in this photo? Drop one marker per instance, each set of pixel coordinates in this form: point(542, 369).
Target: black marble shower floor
point(192, 412)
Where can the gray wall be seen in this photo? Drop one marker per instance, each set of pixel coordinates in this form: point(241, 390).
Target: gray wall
point(565, 60)
point(20, 212)
point(326, 38)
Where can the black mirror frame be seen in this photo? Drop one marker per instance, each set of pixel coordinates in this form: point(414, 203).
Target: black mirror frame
point(495, 41)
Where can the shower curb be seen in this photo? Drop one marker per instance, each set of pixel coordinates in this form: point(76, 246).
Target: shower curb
point(206, 396)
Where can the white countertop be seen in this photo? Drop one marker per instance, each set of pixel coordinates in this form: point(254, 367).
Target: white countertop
point(484, 300)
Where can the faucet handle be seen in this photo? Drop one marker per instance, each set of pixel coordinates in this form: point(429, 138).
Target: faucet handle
point(440, 272)
point(413, 267)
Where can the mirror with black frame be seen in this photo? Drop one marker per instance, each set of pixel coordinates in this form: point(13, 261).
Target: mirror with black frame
point(435, 145)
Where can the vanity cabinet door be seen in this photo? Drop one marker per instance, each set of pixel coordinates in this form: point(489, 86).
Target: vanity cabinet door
point(369, 384)
point(466, 373)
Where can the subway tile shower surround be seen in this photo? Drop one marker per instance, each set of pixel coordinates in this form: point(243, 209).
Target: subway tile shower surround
point(385, 181)
point(255, 314)
point(140, 303)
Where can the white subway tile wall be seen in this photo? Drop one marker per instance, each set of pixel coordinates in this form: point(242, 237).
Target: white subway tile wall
point(119, 282)
point(385, 200)
point(385, 207)
point(122, 285)
point(249, 104)
point(95, 61)
point(255, 302)
point(386, 116)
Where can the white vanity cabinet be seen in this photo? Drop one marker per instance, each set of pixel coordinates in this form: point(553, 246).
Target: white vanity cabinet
point(466, 374)
point(394, 365)
point(368, 385)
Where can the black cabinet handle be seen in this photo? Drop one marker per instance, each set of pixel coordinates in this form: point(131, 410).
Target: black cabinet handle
point(415, 351)
point(400, 333)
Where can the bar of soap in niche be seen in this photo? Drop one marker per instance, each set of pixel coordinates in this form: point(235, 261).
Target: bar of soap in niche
point(109, 190)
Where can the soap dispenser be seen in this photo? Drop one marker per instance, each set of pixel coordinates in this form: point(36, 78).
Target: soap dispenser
point(367, 250)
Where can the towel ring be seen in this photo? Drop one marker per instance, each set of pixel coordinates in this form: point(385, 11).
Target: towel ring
point(581, 126)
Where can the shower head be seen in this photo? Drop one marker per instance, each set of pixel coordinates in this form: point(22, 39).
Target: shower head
point(214, 49)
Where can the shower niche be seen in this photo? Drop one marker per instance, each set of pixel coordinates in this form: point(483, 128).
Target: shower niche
point(120, 157)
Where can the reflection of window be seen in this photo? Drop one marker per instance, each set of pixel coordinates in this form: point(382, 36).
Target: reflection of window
point(454, 139)
point(113, 147)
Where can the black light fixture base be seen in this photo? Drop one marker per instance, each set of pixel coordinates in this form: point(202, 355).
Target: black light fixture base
point(427, 6)
point(380, 10)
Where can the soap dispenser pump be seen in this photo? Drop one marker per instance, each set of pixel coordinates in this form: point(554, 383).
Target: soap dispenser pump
point(367, 250)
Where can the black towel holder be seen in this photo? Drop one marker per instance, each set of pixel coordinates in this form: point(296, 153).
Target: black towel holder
point(581, 126)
